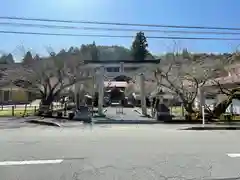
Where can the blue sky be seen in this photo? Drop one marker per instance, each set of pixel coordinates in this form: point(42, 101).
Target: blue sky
point(177, 12)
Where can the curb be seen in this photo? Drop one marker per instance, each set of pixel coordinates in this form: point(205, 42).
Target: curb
point(183, 122)
point(41, 122)
point(141, 115)
point(125, 122)
point(212, 128)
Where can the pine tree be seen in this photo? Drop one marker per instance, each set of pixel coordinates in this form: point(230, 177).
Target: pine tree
point(139, 47)
point(28, 58)
point(94, 52)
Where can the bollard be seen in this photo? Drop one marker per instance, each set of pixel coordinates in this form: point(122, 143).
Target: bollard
point(65, 109)
point(203, 116)
point(35, 109)
point(12, 110)
point(182, 108)
point(25, 110)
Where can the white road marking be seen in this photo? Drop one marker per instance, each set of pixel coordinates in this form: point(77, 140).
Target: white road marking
point(234, 155)
point(31, 162)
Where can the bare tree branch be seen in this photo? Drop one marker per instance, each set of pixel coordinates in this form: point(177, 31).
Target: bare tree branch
point(50, 76)
point(185, 76)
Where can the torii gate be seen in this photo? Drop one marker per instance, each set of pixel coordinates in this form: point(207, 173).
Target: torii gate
point(102, 66)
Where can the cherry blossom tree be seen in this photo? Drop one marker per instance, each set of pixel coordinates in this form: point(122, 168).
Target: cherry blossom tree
point(50, 76)
point(185, 77)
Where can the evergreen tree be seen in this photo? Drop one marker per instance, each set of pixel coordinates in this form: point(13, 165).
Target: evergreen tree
point(27, 58)
point(37, 58)
point(94, 52)
point(7, 59)
point(139, 47)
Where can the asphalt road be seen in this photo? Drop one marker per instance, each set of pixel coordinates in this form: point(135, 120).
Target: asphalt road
point(116, 152)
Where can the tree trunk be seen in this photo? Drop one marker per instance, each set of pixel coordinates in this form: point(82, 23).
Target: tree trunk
point(45, 105)
point(188, 106)
point(221, 107)
point(77, 101)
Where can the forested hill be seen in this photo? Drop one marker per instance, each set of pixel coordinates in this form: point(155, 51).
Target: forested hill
point(86, 52)
point(112, 53)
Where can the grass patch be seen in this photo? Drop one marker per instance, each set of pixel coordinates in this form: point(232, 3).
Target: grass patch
point(18, 112)
point(21, 111)
point(236, 118)
point(177, 110)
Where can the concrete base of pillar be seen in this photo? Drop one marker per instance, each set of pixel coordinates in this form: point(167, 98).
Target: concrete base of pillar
point(143, 95)
point(100, 90)
point(146, 115)
point(99, 115)
point(144, 112)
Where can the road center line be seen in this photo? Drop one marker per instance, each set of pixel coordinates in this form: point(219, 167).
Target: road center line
point(31, 162)
point(233, 155)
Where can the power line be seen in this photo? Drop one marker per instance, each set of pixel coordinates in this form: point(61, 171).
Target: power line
point(14, 24)
point(118, 24)
point(117, 36)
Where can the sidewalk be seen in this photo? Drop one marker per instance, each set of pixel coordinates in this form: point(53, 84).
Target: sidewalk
point(213, 127)
point(128, 116)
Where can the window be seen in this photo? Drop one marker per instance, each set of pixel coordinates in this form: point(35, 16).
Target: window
point(116, 69)
point(30, 96)
point(210, 96)
point(6, 95)
point(109, 69)
point(122, 78)
point(113, 69)
point(131, 68)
